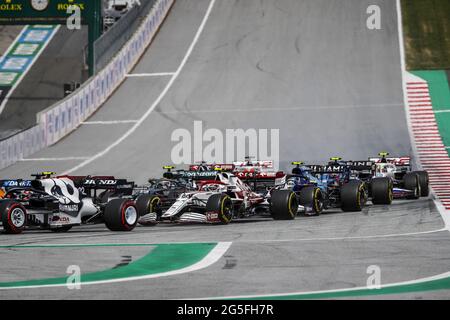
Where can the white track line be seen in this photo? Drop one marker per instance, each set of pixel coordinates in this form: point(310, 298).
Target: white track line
point(442, 111)
point(277, 109)
point(34, 240)
point(392, 235)
point(157, 74)
point(54, 159)
point(216, 253)
point(157, 101)
point(426, 279)
point(403, 73)
point(110, 122)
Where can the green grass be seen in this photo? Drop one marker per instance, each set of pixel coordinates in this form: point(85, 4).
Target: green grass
point(426, 27)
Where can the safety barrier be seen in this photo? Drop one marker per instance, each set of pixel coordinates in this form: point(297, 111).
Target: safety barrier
point(65, 116)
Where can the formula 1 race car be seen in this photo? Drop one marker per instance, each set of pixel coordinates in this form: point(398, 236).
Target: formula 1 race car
point(393, 174)
point(160, 194)
point(220, 197)
point(61, 202)
point(319, 187)
point(260, 175)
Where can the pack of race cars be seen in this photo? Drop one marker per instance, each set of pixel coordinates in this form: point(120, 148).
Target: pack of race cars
point(207, 193)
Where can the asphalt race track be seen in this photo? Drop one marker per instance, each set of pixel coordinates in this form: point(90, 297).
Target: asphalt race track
point(309, 68)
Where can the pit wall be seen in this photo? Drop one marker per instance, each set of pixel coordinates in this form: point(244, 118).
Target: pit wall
point(59, 120)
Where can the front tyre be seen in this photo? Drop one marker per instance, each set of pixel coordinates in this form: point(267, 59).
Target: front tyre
point(14, 217)
point(149, 208)
point(121, 215)
point(222, 205)
point(311, 197)
point(283, 205)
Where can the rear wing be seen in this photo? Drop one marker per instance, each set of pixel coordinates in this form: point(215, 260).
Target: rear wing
point(194, 175)
point(362, 167)
point(330, 168)
point(211, 167)
point(102, 182)
point(260, 164)
point(255, 175)
point(398, 161)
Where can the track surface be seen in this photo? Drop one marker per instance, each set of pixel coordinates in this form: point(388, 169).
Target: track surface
point(309, 68)
point(7, 36)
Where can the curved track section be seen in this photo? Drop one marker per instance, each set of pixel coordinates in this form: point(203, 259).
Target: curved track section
point(309, 68)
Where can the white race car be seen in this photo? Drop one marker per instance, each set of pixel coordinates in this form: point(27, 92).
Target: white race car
point(60, 203)
point(223, 197)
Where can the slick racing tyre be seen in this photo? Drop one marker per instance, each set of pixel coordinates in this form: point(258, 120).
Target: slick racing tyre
point(411, 182)
point(424, 182)
point(14, 216)
point(149, 209)
point(121, 215)
point(283, 205)
point(382, 190)
point(221, 205)
point(61, 229)
point(353, 196)
point(311, 197)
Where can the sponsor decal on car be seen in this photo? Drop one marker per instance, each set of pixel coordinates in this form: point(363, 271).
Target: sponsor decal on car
point(58, 219)
point(212, 216)
point(68, 207)
point(16, 183)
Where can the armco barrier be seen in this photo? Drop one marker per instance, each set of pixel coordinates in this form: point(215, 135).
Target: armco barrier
point(62, 118)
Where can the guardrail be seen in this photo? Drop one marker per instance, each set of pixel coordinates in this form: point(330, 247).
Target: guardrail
point(65, 116)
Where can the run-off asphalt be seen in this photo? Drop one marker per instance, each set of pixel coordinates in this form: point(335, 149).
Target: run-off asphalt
point(309, 68)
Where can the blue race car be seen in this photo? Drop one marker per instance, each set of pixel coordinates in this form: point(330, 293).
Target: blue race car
point(319, 187)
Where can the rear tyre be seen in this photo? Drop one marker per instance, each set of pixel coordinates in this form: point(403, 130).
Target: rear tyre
point(283, 205)
point(411, 182)
point(148, 204)
point(382, 190)
point(424, 182)
point(222, 205)
point(121, 215)
point(14, 217)
point(311, 197)
point(353, 196)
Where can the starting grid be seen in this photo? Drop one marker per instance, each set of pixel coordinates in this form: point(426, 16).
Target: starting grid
point(62, 118)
